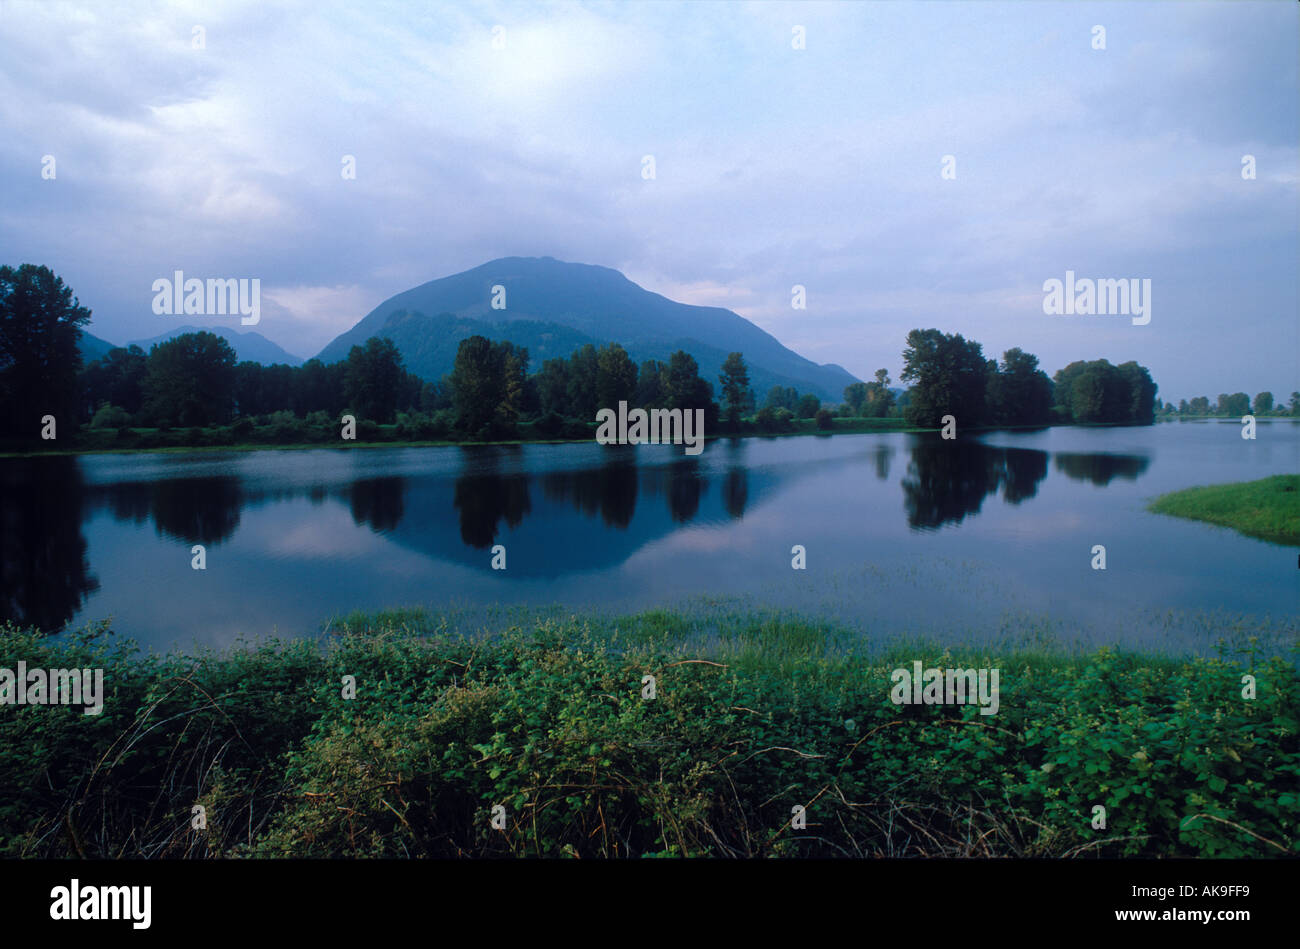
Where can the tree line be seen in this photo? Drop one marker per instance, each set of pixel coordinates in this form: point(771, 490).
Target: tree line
point(195, 381)
point(1233, 406)
point(492, 391)
point(951, 376)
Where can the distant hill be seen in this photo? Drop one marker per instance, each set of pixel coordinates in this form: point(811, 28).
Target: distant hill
point(248, 346)
point(552, 307)
point(92, 347)
point(429, 343)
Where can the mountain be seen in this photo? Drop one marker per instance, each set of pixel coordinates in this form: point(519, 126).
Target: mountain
point(92, 347)
point(552, 307)
point(248, 346)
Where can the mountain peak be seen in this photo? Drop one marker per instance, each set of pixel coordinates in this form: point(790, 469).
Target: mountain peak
point(249, 345)
point(575, 303)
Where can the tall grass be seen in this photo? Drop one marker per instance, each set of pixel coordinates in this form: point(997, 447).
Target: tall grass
point(751, 717)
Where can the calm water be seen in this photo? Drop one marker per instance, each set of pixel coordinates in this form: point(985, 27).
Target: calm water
point(976, 539)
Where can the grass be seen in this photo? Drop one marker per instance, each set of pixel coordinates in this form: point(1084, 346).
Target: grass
point(547, 718)
point(1268, 509)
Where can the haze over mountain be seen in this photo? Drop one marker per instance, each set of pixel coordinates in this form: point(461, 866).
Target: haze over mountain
point(249, 346)
point(553, 307)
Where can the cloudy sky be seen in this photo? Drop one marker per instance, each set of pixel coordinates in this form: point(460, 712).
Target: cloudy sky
point(774, 166)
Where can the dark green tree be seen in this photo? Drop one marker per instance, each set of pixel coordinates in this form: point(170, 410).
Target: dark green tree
point(1088, 396)
point(736, 394)
point(616, 377)
point(190, 380)
point(553, 387)
point(879, 399)
point(476, 384)
point(1237, 404)
point(511, 363)
point(1096, 391)
point(489, 385)
point(782, 397)
point(372, 379)
point(949, 376)
point(584, 368)
point(319, 388)
point(1234, 404)
point(40, 327)
point(248, 390)
point(1019, 393)
point(687, 390)
point(1139, 408)
point(855, 396)
point(652, 384)
point(117, 378)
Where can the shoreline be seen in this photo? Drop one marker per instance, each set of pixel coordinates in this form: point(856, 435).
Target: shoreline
point(808, 429)
point(454, 443)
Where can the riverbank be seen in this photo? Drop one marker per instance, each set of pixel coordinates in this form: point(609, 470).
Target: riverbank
point(110, 442)
point(1268, 509)
point(147, 440)
point(556, 723)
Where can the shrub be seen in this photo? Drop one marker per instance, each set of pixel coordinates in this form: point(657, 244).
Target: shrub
point(551, 424)
point(110, 416)
point(549, 722)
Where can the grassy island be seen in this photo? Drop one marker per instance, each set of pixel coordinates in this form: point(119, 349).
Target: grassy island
point(1268, 509)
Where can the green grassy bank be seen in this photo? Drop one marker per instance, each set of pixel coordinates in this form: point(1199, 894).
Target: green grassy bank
point(1268, 508)
point(549, 721)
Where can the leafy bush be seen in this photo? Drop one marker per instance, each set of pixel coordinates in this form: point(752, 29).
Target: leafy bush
point(550, 425)
point(549, 722)
point(110, 416)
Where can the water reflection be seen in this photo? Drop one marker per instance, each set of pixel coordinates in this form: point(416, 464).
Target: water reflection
point(1022, 471)
point(377, 503)
point(609, 491)
point(202, 510)
point(1101, 469)
point(44, 573)
point(197, 510)
point(735, 491)
point(685, 488)
point(882, 457)
point(483, 500)
point(561, 522)
point(948, 480)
